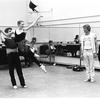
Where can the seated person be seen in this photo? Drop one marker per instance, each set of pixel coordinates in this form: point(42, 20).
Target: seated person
point(59, 50)
point(33, 56)
point(51, 52)
point(76, 39)
point(33, 47)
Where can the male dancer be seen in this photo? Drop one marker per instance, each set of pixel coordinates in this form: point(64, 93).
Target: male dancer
point(89, 51)
point(13, 58)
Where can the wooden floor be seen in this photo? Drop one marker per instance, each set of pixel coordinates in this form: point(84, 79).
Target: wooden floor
point(59, 82)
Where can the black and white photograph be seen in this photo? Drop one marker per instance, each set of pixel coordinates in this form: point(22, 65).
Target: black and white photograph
point(49, 49)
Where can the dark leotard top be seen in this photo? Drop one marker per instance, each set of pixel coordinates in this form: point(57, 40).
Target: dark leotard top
point(20, 37)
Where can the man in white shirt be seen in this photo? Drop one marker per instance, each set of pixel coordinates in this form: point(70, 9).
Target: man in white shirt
point(89, 51)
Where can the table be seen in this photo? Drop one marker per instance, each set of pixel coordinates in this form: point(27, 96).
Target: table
point(67, 48)
point(73, 48)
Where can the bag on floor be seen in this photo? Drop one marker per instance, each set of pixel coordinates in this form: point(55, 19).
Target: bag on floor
point(77, 68)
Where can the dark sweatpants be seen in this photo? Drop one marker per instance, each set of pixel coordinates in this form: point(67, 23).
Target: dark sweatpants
point(14, 62)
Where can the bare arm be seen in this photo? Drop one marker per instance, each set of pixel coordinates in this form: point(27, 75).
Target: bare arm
point(81, 47)
point(27, 28)
point(2, 38)
point(6, 34)
point(33, 23)
point(3, 33)
point(95, 44)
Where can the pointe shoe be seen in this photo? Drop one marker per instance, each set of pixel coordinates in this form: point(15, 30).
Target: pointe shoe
point(43, 68)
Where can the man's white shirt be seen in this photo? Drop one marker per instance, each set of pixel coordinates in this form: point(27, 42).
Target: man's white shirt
point(88, 42)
